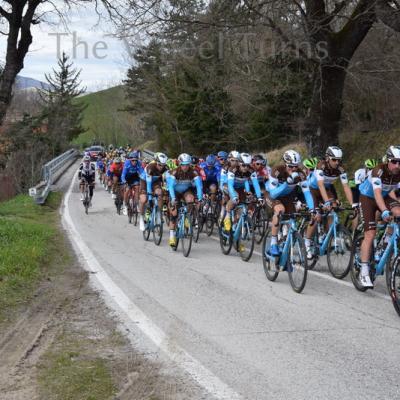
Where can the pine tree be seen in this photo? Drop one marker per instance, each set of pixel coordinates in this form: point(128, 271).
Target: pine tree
point(63, 114)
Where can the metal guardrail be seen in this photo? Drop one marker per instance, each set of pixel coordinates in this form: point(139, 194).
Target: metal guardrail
point(147, 153)
point(50, 172)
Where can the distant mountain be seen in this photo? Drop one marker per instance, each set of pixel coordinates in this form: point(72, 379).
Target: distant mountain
point(22, 82)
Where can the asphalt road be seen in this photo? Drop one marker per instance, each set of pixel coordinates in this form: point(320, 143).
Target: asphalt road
point(260, 338)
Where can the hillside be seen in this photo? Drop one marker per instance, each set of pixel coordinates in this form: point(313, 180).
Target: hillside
point(357, 146)
point(104, 120)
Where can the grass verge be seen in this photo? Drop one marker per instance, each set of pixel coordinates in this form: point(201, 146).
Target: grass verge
point(70, 373)
point(30, 245)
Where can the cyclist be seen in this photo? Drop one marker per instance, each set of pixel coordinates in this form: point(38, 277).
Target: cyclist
point(238, 181)
point(259, 164)
point(87, 173)
point(131, 178)
point(360, 176)
point(100, 166)
point(114, 173)
point(222, 157)
point(378, 193)
point(180, 186)
point(211, 171)
point(281, 192)
point(151, 182)
point(321, 183)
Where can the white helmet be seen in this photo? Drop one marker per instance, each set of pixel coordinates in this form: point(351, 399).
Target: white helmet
point(292, 157)
point(185, 159)
point(393, 152)
point(245, 158)
point(334, 152)
point(234, 155)
point(160, 158)
point(86, 158)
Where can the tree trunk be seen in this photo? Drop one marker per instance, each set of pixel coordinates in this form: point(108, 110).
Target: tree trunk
point(323, 123)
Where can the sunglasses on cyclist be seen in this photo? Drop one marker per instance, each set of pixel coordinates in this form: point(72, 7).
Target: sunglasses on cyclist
point(395, 162)
point(292, 166)
point(259, 164)
point(336, 159)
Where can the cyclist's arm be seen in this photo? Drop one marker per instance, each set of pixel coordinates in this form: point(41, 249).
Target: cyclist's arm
point(149, 181)
point(171, 187)
point(199, 187)
point(231, 189)
point(123, 175)
point(377, 183)
point(275, 188)
point(256, 185)
point(346, 187)
point(321, 186)
point(307, 195)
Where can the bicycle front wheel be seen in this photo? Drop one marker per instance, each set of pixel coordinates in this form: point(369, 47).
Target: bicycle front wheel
point(225, 239)
point(187, 236)
point(260, 224)
point(394, 290)
point(297, 263)
point(339, 252)
point(158, 227)
point(246, 239)
point(271, 265)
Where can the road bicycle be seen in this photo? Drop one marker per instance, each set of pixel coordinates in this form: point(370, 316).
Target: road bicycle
point(385, 260)
point(153, 220)
point(260, 221)
point(241, 234)
point(184, 227)
point(132, 206)
point(293, 256)
point(335, 243)
point(208, 215)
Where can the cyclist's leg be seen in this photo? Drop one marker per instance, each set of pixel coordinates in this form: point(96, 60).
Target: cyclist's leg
point(368, 207)
point(127, 193)
point(173, 212)
point(159, 192)
point(142, 203)
point(394, 207)
point(277, 208)
point(212, 190)
point(230, 205)
point(82, 187)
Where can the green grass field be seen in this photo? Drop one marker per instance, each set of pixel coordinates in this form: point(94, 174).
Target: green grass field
point(29, 242)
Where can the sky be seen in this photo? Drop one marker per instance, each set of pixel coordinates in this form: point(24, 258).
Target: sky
point(101, 57)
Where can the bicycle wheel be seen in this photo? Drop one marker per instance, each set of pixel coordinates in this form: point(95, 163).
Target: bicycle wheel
point(130, 210)
point(246, 239)
point(158, 227)
point(314, 246)
point(355, 268)
point(297, 263)
point(195, 221)
point(210, 224)
point(225, 239)
point(271, 265)
point(187, 236)
point(339, 252)
point(146, 232)
point(260, 224)
point(394, 281)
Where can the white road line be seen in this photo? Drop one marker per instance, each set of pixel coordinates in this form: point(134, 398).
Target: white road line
point(197, 371)
point(329, 278)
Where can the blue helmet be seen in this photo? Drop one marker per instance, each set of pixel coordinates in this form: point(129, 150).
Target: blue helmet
point(223, 155)
point(211, 160)
point(133, 155)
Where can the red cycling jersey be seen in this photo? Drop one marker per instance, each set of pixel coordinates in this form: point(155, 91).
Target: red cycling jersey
point(116, 169)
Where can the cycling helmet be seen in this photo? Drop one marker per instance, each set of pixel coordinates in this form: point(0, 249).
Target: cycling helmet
point(133, 155)
point(184, 159)
point(195, 160)
point(393, 152)
point(161, 158)
point(223, 155)
point(370, 163)
point(245, 158)
point(211, 160)
point(234, 155)
point(292, 157)
point(310, 163)
point(171, 164)
point(334, 152)
point(110, 147)
point(117, 160)
point(86, 158)
point(258, 158)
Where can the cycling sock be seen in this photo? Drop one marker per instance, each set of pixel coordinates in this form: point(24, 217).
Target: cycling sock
point(307, 242)
point(171, 233)
point(364, 269)
point(274, 240)
point(388, 237)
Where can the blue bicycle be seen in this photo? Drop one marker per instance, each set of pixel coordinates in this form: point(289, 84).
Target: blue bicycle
point(153, 220)
point(184, 227)
point(293, 256)
point(385, 260)
point(335, 244)
point(241, 235)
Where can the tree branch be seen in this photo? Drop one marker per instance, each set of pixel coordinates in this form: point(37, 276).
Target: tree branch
point(389, 15)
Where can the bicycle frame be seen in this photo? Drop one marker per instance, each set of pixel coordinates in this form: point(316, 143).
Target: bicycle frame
point(243, 215)
point(153, 202)
point(331, 231)
point(391, 247)
point(180, 231)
